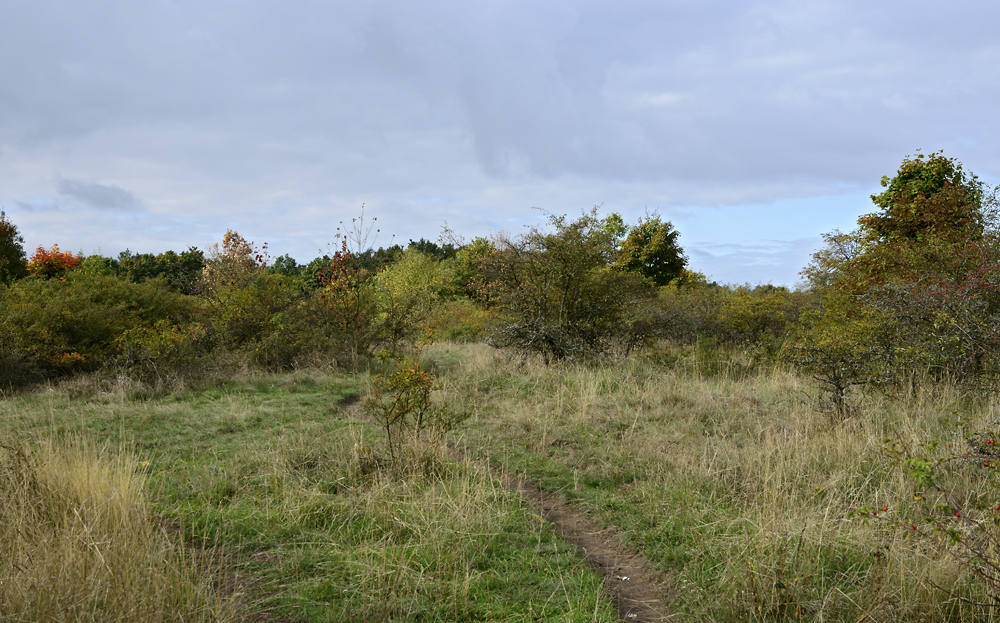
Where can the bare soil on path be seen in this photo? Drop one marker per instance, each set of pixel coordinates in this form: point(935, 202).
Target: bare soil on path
point(639, 592)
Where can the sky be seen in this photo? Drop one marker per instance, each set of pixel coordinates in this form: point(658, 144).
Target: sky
point(754, 127)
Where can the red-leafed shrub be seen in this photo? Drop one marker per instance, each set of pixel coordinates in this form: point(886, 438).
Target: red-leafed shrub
point(52, 262)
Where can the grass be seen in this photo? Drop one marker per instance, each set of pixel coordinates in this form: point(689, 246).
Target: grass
point(730, 479)
point(78, 543)
point(735, 483)
point(277, 475)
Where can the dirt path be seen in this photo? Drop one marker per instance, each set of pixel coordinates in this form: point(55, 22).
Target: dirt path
point(639, 593)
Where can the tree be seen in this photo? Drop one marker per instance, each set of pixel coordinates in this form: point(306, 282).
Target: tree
point(651, 250)
point(436, 251)
point(49, 263)
point(930, 197)
point(244, 299)
point(927, 266)
point(13, 264)
point(554, 292)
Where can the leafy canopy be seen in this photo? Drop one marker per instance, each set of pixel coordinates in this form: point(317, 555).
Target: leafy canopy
point(651, 250)
point(930, 197)
point(12, 261)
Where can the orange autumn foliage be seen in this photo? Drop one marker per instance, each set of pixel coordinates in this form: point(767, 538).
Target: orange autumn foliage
point(48, 263)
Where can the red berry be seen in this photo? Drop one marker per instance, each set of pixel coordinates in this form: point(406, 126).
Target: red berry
point(885, 508)
point(958, 514)
point(912, 527)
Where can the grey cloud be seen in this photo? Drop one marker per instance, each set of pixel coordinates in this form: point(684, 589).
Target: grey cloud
point(100, 196)
point(224, 110)
point(38, 206)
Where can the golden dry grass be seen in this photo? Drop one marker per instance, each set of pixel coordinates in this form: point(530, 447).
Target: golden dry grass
point(78, 543)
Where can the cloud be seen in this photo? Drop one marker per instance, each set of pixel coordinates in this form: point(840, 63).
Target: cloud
point(228, 114)
point(780, 260)
point(100, 196)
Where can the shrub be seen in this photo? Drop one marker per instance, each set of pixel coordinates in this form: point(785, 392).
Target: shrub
point(925, 270)
point(49, 263)
point(407, 292)
point(242, 297)
point(352, 302)
point(842, 349)
point(401, 403)
point(62, 326)
point(555, 293)
point(166, 348)
point(458, 320)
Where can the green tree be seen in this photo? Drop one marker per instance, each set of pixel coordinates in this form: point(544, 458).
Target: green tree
point(13, 264)
point(181, 271)
point(554, 292)
point(651, 250)
point(243, 299)
point(408, 291)
point(929, 197)
point(927, 267)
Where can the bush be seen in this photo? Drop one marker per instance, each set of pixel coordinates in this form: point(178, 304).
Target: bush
point(352, 304)
point(458, 320)
point(407, 293)
point(162, 350)
point(924, 272)
point(62, 326)
point(556, 293)
point(400, 402)
point(242, 298)
point(841, 350)
point(49, 263)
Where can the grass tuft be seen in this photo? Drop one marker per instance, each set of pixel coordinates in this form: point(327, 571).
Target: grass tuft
point(78, 543)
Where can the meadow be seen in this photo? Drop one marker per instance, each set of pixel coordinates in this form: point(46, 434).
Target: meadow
point(222, 436)
point(270, 497)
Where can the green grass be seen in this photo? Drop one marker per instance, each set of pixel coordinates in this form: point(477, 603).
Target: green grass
point(274, 473)
point(734, 484)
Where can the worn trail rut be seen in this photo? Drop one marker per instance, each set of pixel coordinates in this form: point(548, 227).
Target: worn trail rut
point(639, 592)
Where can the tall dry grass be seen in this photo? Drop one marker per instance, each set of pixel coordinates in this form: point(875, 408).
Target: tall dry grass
point(78, 543)
point(736, 482)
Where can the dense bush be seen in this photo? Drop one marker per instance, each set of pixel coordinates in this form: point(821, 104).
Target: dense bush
point(917, 282)
point(408, 291)
point(555, 293)
point(57, 327)
point(50, 263)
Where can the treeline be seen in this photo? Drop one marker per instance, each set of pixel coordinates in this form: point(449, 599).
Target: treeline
point(912, 292)
point(175, 315)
